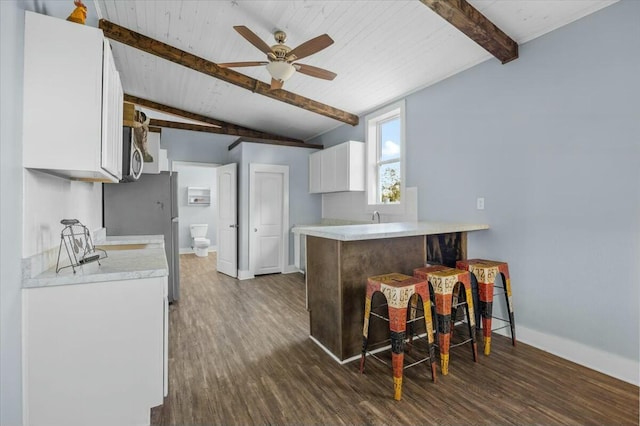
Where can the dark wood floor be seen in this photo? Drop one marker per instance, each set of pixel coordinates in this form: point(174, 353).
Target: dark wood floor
point(240, 355)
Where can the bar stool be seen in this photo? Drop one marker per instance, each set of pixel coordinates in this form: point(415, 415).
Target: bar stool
point(443, 280)
point(399, 290)
point(485, 272)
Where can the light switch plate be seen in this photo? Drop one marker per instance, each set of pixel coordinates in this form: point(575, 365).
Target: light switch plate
point(480, 203)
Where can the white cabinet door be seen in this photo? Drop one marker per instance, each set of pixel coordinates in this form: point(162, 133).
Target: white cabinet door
point(63, 103)
point(315, 172)
point(328, 173)
point(356, 166)
point(112, 98)
point(91, 346)
point(341, 167)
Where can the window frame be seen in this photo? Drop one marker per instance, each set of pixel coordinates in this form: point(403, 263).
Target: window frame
point(372, 121)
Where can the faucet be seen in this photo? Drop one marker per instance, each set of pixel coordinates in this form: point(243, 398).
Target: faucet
point(373, 216)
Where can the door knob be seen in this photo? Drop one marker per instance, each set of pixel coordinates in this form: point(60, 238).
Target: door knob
point(233, 226)
point(255, 229)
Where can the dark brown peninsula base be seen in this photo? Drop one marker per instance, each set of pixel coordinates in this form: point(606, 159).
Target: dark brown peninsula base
point(337, 273)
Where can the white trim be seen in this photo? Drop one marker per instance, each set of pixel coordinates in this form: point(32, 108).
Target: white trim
point(371, 158)
point(596, 359)
point(604, 362)
point(284, 171)
point(355, 357)
point(290, 269)
point(191, 163)
point(245, 275)
point(335, 358)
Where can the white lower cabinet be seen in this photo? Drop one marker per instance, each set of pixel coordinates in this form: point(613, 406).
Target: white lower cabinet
point(95, 353)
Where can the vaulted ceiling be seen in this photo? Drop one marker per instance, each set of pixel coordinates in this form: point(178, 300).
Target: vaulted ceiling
point(382, 51)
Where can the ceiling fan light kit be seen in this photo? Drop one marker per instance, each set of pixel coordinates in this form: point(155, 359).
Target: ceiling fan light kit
point(280, 70)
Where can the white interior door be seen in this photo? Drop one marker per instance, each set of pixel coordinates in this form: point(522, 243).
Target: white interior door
point(227, 208)
point(268, 218)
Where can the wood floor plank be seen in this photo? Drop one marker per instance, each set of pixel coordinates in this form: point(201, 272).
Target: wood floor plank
point(240, 355)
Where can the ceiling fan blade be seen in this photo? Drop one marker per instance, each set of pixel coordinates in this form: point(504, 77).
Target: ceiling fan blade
point(252, 38)
point(310, 47)
point(276, 84)
point(242, 64)
point(315, 71)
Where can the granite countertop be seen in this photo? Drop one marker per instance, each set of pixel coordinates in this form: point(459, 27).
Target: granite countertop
point(119, 265)
point(385, 230)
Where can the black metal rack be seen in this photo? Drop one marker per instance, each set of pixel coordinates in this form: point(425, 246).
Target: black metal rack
point(76, 239)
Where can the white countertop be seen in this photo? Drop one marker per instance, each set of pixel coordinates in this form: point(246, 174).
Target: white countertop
point(385, 230)
point(119, 265)
point(112, 240)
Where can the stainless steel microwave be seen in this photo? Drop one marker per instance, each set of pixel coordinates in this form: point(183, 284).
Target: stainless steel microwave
point(132, 161)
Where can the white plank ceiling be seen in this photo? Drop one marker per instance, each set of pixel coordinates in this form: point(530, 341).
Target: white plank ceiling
point(382, 51)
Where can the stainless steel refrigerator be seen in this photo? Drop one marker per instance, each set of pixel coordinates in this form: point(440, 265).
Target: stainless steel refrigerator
point(148, 206)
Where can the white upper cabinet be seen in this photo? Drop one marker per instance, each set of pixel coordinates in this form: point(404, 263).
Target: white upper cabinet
point(339, 168)
point(72, 118)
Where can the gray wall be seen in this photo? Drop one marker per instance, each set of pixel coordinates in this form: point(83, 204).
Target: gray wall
point(185, 145)
point(552, 141)
point(304, 208)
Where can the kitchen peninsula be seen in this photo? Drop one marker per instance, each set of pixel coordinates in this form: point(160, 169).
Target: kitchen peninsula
point(340, 258)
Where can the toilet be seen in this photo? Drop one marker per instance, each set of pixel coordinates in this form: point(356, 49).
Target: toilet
point(200, 243)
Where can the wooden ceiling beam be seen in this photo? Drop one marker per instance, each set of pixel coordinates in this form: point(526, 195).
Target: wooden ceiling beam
point(476, 26)
point(146, 44)
point(186, 126)
point(211, 129)
point(272, 142)
point(222, 127)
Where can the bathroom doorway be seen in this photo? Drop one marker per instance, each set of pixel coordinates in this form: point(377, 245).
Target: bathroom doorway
point(199, 177)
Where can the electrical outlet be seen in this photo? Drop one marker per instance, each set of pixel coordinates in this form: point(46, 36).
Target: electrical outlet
point(480, 203)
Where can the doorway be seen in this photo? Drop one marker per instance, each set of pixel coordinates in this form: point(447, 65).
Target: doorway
point(268, 218)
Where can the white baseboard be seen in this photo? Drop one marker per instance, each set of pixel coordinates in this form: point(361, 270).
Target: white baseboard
point(290, 269)
point(245, 275)
point(355, 357)
point(596, 359)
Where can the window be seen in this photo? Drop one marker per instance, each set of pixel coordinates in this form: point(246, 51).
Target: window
point(385, 159)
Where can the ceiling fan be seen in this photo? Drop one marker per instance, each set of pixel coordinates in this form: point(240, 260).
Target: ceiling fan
point(281, 57)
